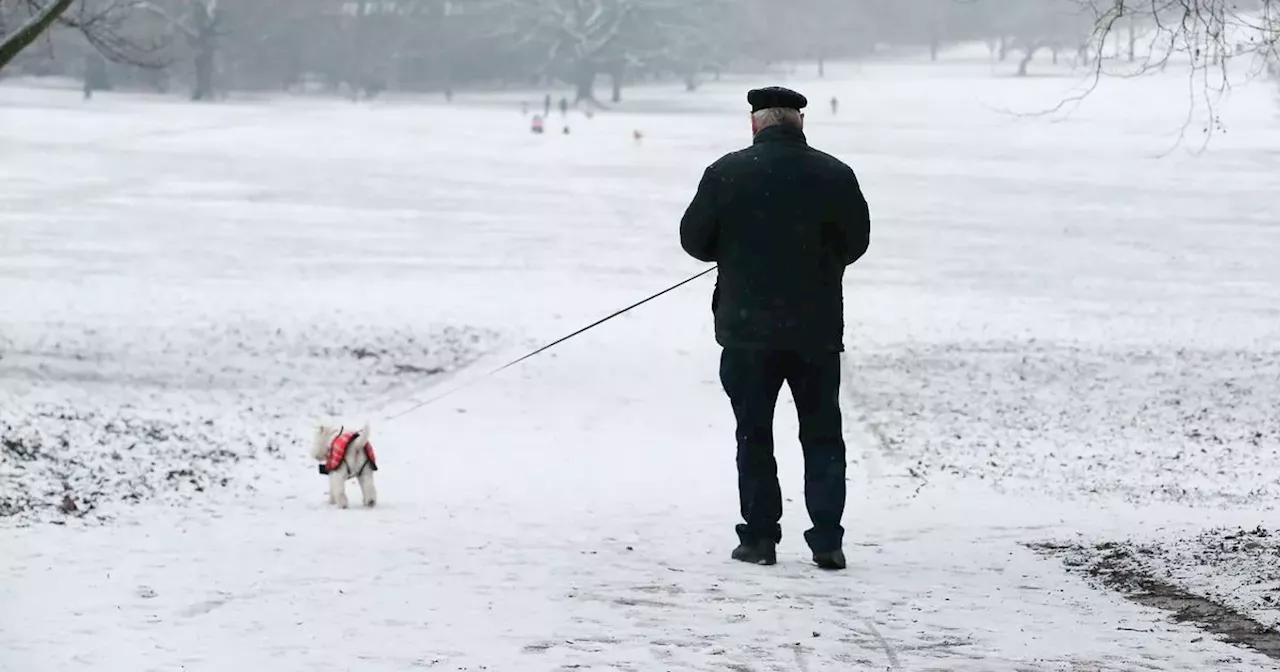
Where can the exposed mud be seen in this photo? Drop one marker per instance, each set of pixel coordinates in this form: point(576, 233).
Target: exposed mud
point(1123, 568)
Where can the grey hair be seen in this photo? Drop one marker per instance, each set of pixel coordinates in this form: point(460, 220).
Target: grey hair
point(775, 116)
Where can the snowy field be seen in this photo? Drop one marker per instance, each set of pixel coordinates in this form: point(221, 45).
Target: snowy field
point(1063, 334)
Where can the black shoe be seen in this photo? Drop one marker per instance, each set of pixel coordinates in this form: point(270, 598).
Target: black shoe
point(759, 553)
point(829, 559)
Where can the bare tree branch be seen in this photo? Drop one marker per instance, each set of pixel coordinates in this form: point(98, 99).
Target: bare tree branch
point(26, 34)
point(1212, 38)
point(169, 19)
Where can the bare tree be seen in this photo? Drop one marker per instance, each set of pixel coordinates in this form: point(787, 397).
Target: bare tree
point(1209, 37)
point(581, 37)
point(1031, 26)
point(199, 22)
point(686, 38)
point(103, 23)
point(41, 20)
point(202, 29)
point(1206, 32)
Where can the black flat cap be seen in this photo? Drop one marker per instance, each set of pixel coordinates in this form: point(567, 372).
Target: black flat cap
point(775, 96)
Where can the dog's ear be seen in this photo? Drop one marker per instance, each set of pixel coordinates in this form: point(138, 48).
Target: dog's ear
point(364, 431)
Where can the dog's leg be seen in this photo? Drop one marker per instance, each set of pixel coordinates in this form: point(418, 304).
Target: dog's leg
point(367, 488)
point(338, 488)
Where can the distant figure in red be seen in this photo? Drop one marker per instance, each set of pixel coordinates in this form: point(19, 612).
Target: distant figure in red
point(537, 127)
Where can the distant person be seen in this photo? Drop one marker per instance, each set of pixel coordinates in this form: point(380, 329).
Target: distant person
point(546, 106)
point(835, 105)
point(564, 106)
point(537, 126)
point(783, 221)
point(95, 75)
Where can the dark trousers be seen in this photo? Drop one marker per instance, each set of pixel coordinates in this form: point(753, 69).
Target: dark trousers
point(752, 379)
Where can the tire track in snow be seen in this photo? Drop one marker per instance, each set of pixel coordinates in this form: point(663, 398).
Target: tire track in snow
point(894, 663)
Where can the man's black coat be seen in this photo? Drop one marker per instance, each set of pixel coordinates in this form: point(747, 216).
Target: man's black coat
point(782, 220)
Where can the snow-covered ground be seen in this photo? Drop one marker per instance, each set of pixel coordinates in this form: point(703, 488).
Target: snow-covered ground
point(1058, 335)
point(102, 415)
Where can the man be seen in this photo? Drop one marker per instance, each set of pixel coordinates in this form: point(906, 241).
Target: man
point(783, 221)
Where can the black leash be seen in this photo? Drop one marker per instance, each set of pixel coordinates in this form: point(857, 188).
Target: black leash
point(550, 345)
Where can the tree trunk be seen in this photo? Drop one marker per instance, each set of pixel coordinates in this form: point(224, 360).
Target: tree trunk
point(1055, 55)
point(205, 44)
point(693, 76)
point(1026, 60)
point(584, 81)
point(204, 73)
point(357, 57)
point(1002, 49)
point(822, 64)
point(616, 80)
point(1133, 38)
point(96, 77)
point(28, 32)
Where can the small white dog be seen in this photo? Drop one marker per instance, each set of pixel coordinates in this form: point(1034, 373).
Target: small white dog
point(344, 455)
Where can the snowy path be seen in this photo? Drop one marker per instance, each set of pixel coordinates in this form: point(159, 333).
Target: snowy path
point(576, 512)
point(594, 536)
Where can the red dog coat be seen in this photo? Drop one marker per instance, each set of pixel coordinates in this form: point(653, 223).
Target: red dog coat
point(338, 451)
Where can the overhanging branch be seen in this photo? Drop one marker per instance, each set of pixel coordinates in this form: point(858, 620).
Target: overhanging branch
point(29, 32)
